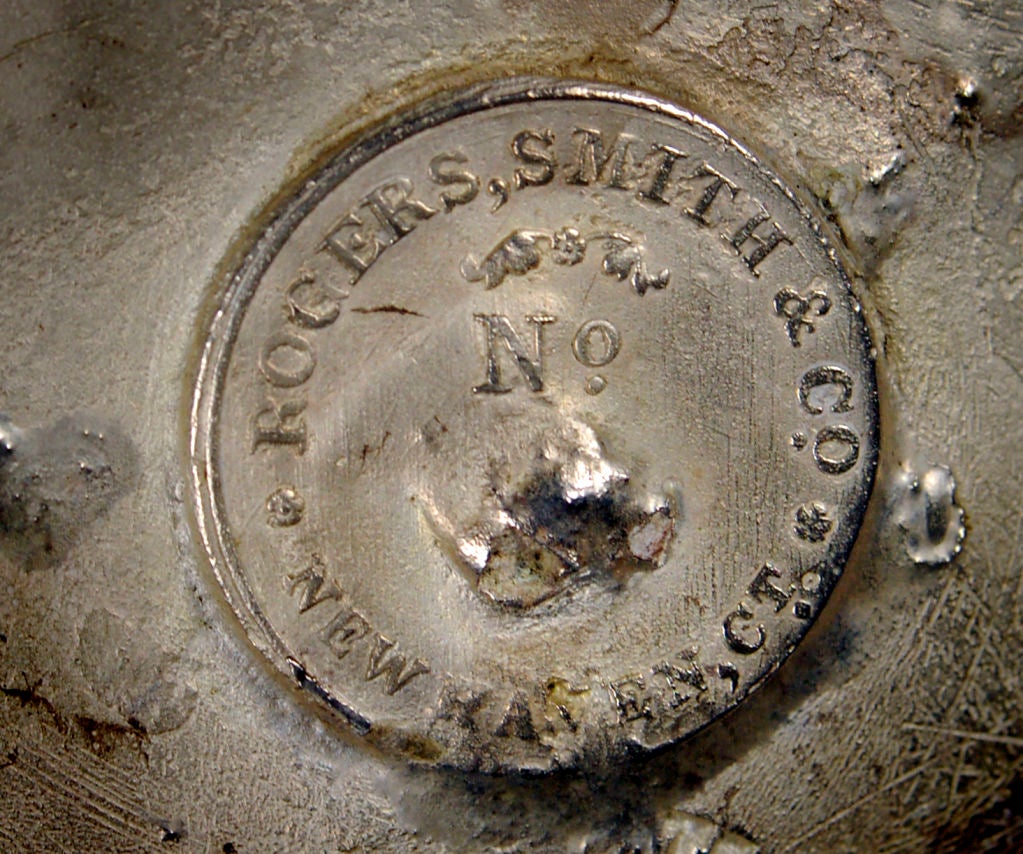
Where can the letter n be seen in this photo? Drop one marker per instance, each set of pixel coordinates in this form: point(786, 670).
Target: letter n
point(499, 329)
point(313, 579)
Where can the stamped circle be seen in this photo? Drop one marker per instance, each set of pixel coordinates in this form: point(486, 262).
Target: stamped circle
point(536, 427)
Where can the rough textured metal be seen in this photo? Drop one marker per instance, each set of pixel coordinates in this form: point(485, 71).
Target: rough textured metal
point(141, 146)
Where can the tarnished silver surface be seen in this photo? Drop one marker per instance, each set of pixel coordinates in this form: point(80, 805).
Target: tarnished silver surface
point(147, 152)
point(517, 478)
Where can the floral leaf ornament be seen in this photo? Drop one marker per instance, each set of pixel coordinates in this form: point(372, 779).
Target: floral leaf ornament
point(516, 255)
point(520, 252)
point(625, 260)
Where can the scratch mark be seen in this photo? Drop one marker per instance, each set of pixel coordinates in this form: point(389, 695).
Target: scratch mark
point(55, 786)
point(374, 450)
point(967, 677)
point(940, 605)
point(92, 776)
point(1015, 554)
point(989, 737)
point(44, 760)
point(855, 805)
point(388, 309)
point(43, 834)
point(116, 777)
point(956, 778)
point(19, 46)
point(95, 789)
point(661, 24)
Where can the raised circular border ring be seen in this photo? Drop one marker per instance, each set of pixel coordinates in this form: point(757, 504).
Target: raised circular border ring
point(222, 330)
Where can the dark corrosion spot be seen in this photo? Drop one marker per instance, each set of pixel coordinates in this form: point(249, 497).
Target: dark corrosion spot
point(104, 737)
point(560, 535)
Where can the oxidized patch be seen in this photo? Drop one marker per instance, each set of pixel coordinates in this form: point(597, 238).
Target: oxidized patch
point(537, 426)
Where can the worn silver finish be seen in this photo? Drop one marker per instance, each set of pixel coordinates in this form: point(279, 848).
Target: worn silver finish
point(499, 563)
point(145, 153)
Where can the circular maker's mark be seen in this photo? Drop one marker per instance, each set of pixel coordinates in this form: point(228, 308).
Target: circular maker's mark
point(537, 426)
